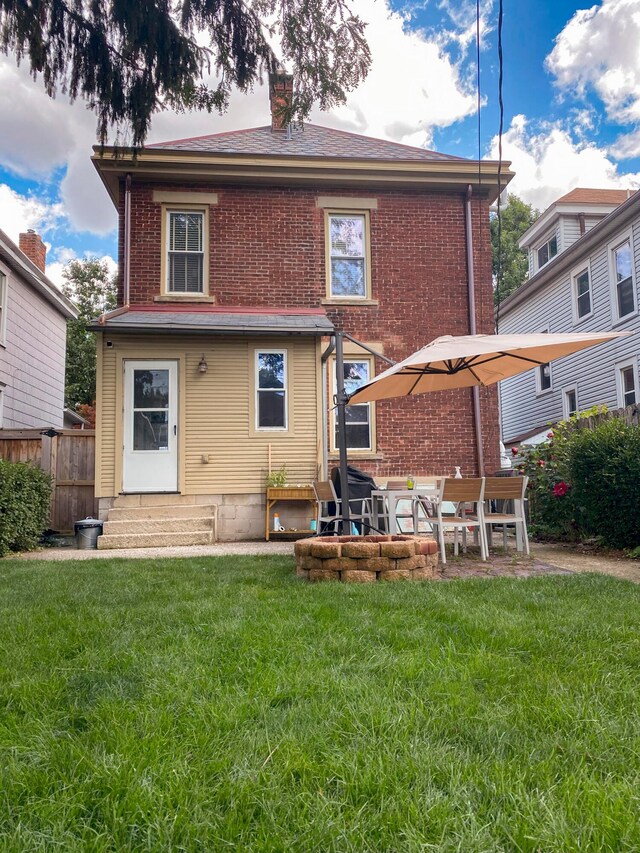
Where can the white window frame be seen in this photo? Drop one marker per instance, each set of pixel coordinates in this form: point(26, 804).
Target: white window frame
point(613, 246)
point(4, 302)
point(575, 275)
point(189, 210)
point(257, 390)
point(540, 391)
point(2, 387)
point(550, 237)
point(354, 451)
point(570, 389)
point(366, 257)
point(620, 367)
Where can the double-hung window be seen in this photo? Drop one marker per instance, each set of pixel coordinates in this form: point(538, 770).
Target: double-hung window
point(547, 251)
point(627, 383)
point(621, 260)
point(543, 374)
point(185, 251)
point(582, 294)
point(271, 389)
point(570, 401)
point(357, 371)
point(4, 296)
point(348, 264)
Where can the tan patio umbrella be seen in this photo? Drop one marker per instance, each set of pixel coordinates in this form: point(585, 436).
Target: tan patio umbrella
point(468, 360)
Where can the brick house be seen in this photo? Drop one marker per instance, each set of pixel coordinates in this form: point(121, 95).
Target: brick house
point(240, 252)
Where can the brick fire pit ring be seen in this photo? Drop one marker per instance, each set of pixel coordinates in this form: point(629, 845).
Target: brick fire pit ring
point(366, 559)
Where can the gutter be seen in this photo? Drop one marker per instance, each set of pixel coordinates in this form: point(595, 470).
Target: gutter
point(127, 238)
point(477, 420)
point(36, 278)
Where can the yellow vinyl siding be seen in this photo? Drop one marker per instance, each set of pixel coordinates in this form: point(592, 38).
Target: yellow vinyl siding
point(217, 412)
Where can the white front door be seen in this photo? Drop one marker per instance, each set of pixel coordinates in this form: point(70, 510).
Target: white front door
point(150, 426)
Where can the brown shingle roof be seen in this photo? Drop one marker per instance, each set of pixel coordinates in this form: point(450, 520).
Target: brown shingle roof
point(308, 141)
point(583, 195)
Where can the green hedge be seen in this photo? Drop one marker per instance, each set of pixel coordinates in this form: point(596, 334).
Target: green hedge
point(25, 495)
point(585, 483)
point(604, 470)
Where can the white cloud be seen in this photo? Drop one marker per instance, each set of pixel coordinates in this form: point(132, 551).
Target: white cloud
point(18, 213)
point(598, 49)
point(413, 86)
point(548, 163)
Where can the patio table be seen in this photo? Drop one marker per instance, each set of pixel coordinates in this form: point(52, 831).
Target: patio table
point(393, 497)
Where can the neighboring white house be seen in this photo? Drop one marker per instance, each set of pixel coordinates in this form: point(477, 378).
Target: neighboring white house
point(584, 261)
point(33, 334)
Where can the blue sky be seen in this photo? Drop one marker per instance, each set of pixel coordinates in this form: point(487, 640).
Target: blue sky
point(571, 93)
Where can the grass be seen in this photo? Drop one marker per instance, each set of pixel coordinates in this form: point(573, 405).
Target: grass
point(221, 704)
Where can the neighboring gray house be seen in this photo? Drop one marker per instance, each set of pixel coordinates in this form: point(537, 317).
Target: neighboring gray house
point(33, 335)
point(584, 261)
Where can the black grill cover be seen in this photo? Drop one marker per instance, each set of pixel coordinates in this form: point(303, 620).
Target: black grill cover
point(361, 485)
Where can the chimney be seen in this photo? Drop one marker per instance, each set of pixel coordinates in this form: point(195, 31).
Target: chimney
point(33, 247)
point(280, 98)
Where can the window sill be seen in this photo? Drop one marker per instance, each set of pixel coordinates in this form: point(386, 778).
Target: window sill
point(348, 301)
point(624, 319)
point(334, 456)
point(184, 297)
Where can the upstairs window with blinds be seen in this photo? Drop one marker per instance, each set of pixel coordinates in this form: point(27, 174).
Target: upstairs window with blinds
point(185, 262)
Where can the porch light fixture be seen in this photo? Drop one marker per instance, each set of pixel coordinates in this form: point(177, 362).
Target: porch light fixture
point(202, 365)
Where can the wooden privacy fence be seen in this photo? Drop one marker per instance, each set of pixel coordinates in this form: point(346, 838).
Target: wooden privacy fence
point(68, 455)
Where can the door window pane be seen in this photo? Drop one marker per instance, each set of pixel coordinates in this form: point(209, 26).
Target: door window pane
point(151, 389)
point(151, 430)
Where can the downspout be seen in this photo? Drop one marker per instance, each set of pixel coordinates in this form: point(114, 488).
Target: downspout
point(127, 240)
point(325, 410)
point(477, 421)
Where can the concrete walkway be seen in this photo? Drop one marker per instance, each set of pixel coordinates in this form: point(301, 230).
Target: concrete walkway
point(545, 558)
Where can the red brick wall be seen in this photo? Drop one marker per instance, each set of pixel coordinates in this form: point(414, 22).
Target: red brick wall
point(267, 248)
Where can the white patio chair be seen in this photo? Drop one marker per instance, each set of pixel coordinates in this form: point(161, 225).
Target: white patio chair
point(461, 493)
point(359, 508)
point(512, 489)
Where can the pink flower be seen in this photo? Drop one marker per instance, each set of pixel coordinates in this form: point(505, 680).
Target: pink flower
point(514, 450)
point(549, 435)
point(541, 463)
point(560, 489)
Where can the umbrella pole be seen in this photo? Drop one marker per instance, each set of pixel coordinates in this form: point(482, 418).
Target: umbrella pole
point(341, 402)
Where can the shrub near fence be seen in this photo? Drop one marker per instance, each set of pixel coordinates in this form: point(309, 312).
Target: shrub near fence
point(25, 496)
point(583, 482)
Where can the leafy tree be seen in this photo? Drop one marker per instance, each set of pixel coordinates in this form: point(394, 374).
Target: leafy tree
point(130, 59)
point(516, 217)
point(93, 289)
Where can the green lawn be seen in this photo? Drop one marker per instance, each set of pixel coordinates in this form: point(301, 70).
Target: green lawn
point(223, 705)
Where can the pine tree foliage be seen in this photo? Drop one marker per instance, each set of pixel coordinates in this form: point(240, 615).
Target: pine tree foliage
point(517, 216)
point(93, 290)
point(130, 58)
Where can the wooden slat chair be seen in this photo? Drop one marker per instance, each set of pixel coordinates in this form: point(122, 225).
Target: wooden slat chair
point(512, 489)
point(359, 508)
point(461, 493)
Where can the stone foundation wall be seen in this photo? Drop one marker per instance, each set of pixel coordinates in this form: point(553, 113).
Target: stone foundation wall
point(366, 559)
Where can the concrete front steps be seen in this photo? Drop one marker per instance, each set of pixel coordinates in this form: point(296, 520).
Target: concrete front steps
point(134, 523)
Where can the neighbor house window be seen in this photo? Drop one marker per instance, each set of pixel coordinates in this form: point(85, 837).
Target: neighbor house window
point(548, 251)
point(4, 295)
point(359, 417)
point(623, 279)
point(185, 251)
point(582, 294)
point(627, 386)
point(347, 261)
point(570, 402)
point(543, 373)
point(271, 389)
